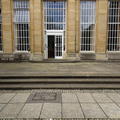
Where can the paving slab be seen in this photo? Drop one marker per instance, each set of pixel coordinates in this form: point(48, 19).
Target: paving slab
point(111, 110)
point(20, 98)
point(86, 106)
point(51, 110)
point(30, 111)
point(1, 106)
point(100, 97)
point(70, 69)
point(6, 97)
point(69, 98)
point(114, 96)
point(11, 110)
point(85, 97)
point(72, 110)
point(92, 110)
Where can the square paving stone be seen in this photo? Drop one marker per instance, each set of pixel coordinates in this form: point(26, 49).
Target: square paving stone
point(1, 106)
point(71, 110)
point(100, 97)
point(6, 97)
point(46, 97)
point(69, 98)
point(11, 110)
point(114, 96)
point(85, 97)
point(51, 110)
point(111, 109)
point(30, 110)
point(20, 98)
point(92, 110)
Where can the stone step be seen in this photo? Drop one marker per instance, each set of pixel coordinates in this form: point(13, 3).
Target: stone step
point(74, 61)
point(59, 86)
point(60, 76)
point(60, 83)
point(61, 80)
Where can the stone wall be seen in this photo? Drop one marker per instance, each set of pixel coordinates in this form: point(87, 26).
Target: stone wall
point(72, 32)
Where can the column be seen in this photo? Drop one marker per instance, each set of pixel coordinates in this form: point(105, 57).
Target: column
point(71, 35)
point(101, 29)
point(7, 26)
point(77, 25)
point(37, 30)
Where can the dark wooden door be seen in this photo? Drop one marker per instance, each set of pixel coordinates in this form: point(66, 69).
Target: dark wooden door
point(51, 46)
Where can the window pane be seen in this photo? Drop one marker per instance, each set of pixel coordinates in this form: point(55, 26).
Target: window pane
point(87, 24)
point(21, 23)
point(54, 15)
point(114, 26)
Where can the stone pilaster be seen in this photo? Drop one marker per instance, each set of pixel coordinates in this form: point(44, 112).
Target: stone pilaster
point(37, 33)
point(77, 26)
point(71, 35)
point(7, 26)
point(101, 29)
point(31, 26)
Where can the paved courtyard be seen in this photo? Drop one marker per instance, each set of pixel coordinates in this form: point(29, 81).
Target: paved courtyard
point(73, 104)
point(60, 69)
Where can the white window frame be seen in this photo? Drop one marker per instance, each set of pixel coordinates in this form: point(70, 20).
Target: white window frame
point(54, 34)
point(84, 46)
point(114, 40)
point(54, 31)
point(22, 21)
point(45, 8)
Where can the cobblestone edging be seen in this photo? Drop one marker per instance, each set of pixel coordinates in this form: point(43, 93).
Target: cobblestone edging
point(58, 119)
point(63, 90)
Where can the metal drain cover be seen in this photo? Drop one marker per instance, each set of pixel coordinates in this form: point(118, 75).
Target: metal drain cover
point(48, 97)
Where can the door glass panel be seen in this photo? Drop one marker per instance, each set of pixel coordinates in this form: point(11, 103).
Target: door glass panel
point(58, 46)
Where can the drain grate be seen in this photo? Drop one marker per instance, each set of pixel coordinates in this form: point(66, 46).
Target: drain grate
point(48, 97)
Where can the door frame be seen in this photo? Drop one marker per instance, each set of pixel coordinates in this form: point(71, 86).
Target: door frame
point(54, 33)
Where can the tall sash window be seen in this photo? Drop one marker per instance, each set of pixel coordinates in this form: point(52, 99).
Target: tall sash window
point(87, 25)
point(114, 26)
point(21, 25)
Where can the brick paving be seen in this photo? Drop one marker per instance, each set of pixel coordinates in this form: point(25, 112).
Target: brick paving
point(74, 104)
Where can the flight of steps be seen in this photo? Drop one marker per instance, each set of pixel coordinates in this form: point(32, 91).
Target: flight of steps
point(82, 82)
point(60, 74)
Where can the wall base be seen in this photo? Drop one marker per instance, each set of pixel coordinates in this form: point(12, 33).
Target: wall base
point(15, 57)
point(27, 56)
point(21, 56)
point(6, 57)
point(87, 55)
point(72, 56)
point(36, 57)
point(101, 57)
point(113, 55)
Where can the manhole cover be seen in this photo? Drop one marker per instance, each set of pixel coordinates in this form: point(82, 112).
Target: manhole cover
point(40, 97)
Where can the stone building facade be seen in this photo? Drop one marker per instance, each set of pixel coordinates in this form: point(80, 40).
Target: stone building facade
point(35, 30)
